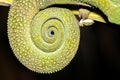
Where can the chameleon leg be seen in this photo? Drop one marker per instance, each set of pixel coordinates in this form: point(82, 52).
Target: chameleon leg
point(48, 43)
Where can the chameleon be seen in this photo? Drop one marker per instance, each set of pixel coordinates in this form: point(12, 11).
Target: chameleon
point(45, 39)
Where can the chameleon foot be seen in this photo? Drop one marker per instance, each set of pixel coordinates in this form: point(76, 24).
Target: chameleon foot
point(83, 14)
point(86, 22)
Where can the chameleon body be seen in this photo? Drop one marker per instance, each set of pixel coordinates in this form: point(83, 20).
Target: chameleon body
point(45, 40)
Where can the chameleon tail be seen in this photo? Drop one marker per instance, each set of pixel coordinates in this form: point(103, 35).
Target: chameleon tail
point(46, 40)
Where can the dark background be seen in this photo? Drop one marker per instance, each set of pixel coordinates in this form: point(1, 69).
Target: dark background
point(98, 56)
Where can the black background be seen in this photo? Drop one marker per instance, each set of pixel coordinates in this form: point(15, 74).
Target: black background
point(98, 56)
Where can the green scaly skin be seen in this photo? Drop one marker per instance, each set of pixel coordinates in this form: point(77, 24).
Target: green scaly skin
point(45, 41)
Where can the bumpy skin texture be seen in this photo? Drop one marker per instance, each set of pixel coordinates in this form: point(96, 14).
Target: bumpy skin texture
point(43, 45)
point(43, 42)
